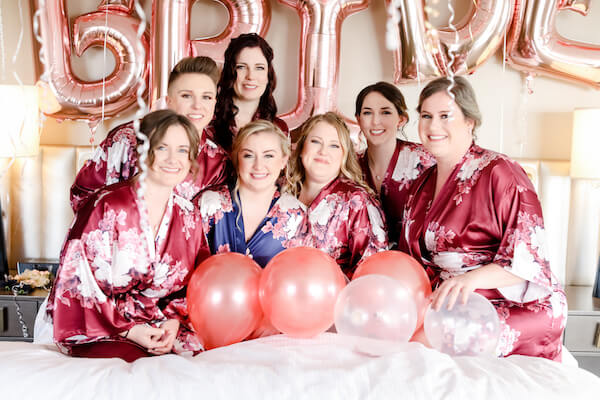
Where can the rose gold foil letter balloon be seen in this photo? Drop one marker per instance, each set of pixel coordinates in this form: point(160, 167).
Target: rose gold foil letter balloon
point(112, 24)
point(171, 35)
point(321, 23)
point(534, 44)
point(427, 53)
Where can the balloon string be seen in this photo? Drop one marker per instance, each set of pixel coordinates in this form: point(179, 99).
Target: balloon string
point(142, 108)
point(104, 63)
point(502, 95)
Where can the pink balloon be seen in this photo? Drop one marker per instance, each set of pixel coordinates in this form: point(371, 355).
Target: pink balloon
point(377, 307)
point(403, 268)
point(298, 290)
point(223, 300)
point(534, 44)
point(113, 24)
point(170, 41)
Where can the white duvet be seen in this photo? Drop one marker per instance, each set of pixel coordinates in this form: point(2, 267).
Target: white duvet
point(330, 366)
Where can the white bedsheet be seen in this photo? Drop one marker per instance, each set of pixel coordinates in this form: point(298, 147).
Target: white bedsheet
point(330, 366)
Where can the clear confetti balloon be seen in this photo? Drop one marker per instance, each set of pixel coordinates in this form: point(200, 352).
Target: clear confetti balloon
point(377, 307)
point(466, 330)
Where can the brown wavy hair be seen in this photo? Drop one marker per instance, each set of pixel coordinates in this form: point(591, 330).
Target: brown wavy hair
point(350, 167)
point(225, 110)
point(155, 125)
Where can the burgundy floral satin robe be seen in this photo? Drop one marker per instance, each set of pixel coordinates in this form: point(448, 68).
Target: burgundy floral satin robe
point(114, 274)
point(488, 212)
point(345, 222)
point(115, 160)
point(408, 162)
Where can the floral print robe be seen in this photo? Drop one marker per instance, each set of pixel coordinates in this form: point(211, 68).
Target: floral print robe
point(408, 162)
point(115, 160)
point(488, 212)
point(345, 222)
point(114, 274)
point(224, 225)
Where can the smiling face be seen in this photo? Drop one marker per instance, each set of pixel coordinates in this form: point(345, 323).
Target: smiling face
point(322, 154)
point(252, 72)
point(260, 161)
point(171, 158)
point(194, 96)
point(444, 130)
point(379, 120)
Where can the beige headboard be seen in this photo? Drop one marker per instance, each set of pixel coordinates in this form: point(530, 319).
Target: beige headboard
point(38, 214)
point(35, 201)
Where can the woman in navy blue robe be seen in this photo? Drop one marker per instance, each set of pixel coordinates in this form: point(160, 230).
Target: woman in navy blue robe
point(252, 215)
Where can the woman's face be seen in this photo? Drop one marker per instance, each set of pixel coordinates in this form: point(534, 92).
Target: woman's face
point(322, 153)
point(379, 120)
point(194, 96)
point(260, 161)
point(252, 71)
point(444, 130)
point(171, 158)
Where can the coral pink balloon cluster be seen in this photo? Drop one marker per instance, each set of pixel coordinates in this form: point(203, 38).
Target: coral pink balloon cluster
point(230, 299)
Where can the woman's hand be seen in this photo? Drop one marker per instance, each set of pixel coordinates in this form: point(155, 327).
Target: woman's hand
point(491, 276)
point(459, 286)
point(146, 336)
point(171, 327)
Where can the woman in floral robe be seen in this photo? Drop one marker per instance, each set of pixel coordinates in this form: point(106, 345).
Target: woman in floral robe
point(389, 164)
point(252, 216)
point(192, 93)
point(119, 291)
point(475, 222)
point(344, 220)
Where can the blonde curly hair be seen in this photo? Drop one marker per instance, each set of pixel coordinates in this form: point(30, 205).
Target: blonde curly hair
point(350, 168)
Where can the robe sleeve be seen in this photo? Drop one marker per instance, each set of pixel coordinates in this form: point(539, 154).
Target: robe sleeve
point(522, 249)
point(113, 161)
point(99, 264)
point(368, 233)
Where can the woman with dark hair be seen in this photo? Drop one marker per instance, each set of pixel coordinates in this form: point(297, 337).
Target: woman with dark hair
point(252, 215)
point(191, 92)
point(475, 222)
point(389, 164)
point(126, 260)
point(343, 218)
point(245, 90)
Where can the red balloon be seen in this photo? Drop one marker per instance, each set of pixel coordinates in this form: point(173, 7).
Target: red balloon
point(298, 290)
point(223, 300)
point(400, 266)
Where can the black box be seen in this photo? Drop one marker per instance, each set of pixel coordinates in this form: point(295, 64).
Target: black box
point(39, 264)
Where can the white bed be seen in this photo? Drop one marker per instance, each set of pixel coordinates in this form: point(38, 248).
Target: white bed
point(330, 366)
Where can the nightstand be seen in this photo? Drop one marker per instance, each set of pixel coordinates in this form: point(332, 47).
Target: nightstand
point(582, 334)
point(10, 328)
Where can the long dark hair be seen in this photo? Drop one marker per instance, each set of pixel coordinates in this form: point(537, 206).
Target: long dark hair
point(225, 110)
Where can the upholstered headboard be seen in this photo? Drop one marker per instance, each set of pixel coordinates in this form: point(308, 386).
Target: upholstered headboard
point(35, 199)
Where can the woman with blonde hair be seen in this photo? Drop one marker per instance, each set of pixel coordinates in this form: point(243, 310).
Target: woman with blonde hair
point(343, 218)
point(251, 215)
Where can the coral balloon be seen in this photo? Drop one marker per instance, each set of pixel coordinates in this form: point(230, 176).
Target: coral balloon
point(467, 330)
point(298, 290)
point(404, 268)
point(223, 300)
point(377, 307)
